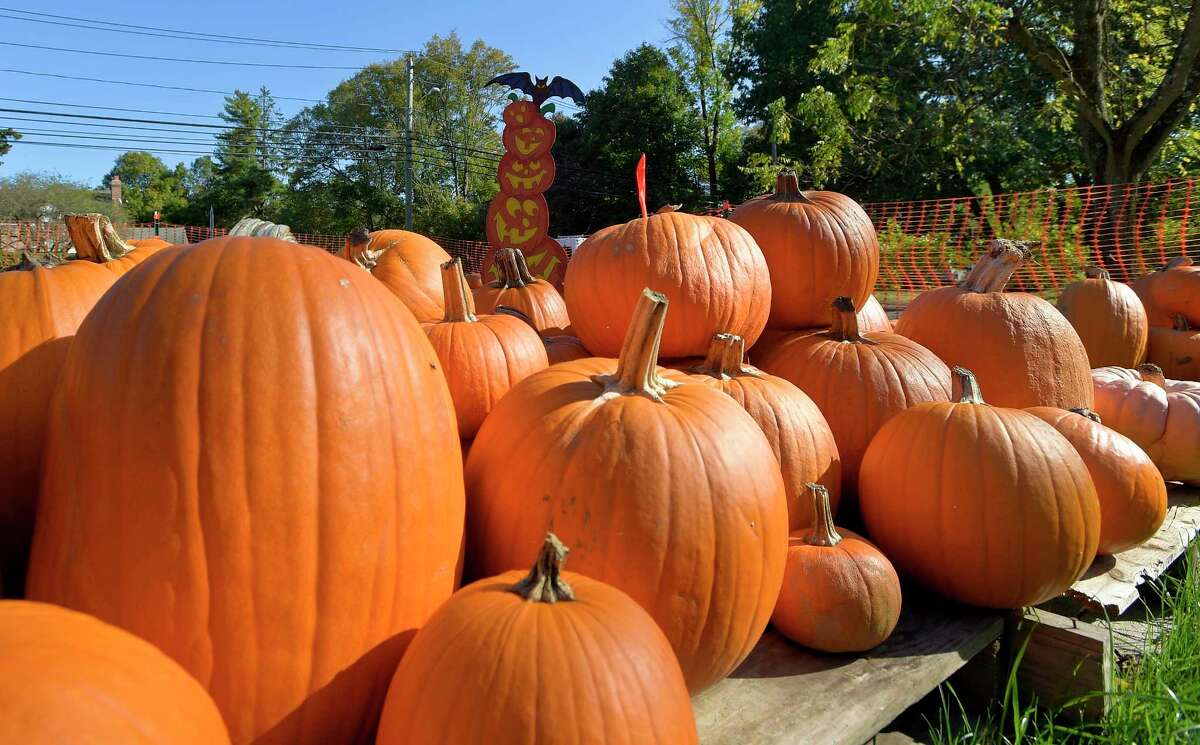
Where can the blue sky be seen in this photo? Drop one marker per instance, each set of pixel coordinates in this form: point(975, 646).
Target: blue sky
point(576, 39)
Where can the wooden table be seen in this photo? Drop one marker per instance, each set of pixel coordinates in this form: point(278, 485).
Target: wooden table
point(784, 693)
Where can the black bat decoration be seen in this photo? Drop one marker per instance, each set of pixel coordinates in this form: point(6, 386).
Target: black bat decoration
point(539, 89)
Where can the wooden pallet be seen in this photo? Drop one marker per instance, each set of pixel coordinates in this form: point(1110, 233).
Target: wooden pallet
point(784, 693)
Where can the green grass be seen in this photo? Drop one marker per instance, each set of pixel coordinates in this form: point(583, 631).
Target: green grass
point(1156, 701)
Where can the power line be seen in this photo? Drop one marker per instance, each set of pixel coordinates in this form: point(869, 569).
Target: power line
point(149, 85)
point(142, 30)
point(276, 65)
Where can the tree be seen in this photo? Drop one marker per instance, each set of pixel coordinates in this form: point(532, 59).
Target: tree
point(33, 196)
point(6, 136)
point(700, 50)
point(1130, 69)
point(148, 186)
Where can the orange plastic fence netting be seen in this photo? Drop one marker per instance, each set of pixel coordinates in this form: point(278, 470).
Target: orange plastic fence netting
point(1128, 228)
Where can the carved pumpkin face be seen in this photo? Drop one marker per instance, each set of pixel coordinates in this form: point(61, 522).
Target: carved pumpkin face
point(517, 221)
point(519, 113)
point(524, 177)
point(531, 140)
point(547, 260)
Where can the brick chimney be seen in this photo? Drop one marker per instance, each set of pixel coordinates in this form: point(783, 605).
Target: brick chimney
point(114, 188)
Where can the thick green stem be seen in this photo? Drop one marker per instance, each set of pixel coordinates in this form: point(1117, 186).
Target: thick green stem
point(637, 368)
point(824, 533)
point(544, 583)
point(460, 303)
point(787, 188)
point(965, 387)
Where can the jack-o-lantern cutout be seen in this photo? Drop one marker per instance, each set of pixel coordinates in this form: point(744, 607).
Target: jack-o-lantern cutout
point(517, 221)
point(521, 176)
point(547, 260)
point(531, 140)
point(520, 113)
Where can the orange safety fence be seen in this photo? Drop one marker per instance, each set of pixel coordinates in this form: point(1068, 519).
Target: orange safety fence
point(1128, 228)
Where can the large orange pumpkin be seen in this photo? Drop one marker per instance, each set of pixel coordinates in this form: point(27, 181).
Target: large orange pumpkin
point(840, 594)
point(711, 270)
point(1171, 291)
point(253, 463)
point(409, 264)
point(1176, 350)
point(1160, 415)
point(798, 433)
point(872, 316)
point(43, 306)
point(96, 240)
point(858, 381)
point(663, 487)
point(518, 289)
point(551, 657)
point(1108, 317)
point(67, 678)
point(559, 347)
point(482, 356)
point(1132, 494)
point(1022, 350)
point(985, 505)
point(818, 244)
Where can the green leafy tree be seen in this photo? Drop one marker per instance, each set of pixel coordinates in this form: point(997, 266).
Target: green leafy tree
point(33, 196)
point(149, 186)
point(7, 135)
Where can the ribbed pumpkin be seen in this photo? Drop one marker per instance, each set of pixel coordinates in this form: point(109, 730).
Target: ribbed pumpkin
point(563, 348)
point(818, 244)
point(519, 290)
point(711, 270)
point(67, 678)
point(1022, 350)
point(872, 317)
point(858, 381)
point(840, 594)
point(1132, 494)
point(798, 433)
point(96, 240)
point(43, 306)
point(1171, 291)
point(663, 487)
point(1109, 318)
point(986, 505)
point(482, 356)
point(253, 463)
point(1176, 350)
point(551, 658)
point(1160, 415)
point(151, 243)
point(409, 264)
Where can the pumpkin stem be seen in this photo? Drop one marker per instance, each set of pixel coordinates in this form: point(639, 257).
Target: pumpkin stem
point(668, 208)
point(787, 188)
point(522, 266)
point(1177, 263)
point(965, 387)
point(510, 268)
point(637, 368)
point(1096, 272)
point(30, 261)
point(1086, 412)
point(95, 238)
point(544, 583)
point(993, 270)
point(1180, 322)
point(824, 533)
point(357, 242)
point(845, 322)
point(724, 359)
point(1152, 373)
point(460, 304)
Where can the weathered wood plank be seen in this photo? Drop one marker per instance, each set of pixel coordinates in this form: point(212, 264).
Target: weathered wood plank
point(783, 693)
point(1111, 584)
point(1064, 662)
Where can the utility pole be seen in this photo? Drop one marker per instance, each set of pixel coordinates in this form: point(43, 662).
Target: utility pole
point(408, 143)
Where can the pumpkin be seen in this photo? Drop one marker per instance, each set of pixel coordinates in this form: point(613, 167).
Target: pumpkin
point(520, 222)
point(1022, 350)
point(66, 677)
point(818, 244)
point(536, 298)
point(43, 306)
point(1160, 415)
point(1171, 291)
point(711, 270)
point(664, 487)
point(985, 505)
point(872, 317)
point(474, 280)
point(858, 381)
point(840, 594)
point(559, 347)
point(798, 433)
point(284, 435)
point(96, 240)
point(1132, 494)
point(1177, 350)
point(410, 265)
point(482, 356)
point(1109, 318)
point(523, 176)
point(578, 662)
point(153, 243)
point(521, 112)
point(528, 136)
